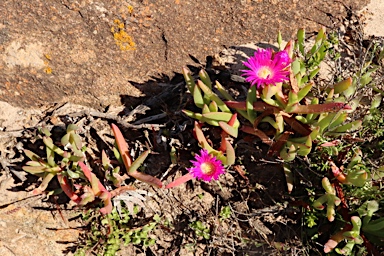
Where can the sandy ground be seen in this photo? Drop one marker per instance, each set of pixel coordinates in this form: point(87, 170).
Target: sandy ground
point(375, 19)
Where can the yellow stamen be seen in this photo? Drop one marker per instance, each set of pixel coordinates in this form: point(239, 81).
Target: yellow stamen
point(264, 72)
point(207, 168)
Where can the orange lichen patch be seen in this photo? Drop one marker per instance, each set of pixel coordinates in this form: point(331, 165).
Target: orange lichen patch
point(122, 39)
point(48, 56)
point(48, 70)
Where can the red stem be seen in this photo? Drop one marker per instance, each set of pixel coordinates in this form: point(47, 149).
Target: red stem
point(67, 189)
point(179, 181)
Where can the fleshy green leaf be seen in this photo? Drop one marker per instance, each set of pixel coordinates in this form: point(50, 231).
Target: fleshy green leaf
point(76, 140)
point(304, 91)
point(304, 149)
point(295, 66)
point(228, 129)
point(342, 86)
point(75, 158)
point(205, 109)
point(288, 153)
point(367, 78)
point(31, 155)
point(279, 40)
point(65, 139)
point(105, 160)
point(251, 98)
point(351, 89)
point(213, 107)
point(314, 73)
point(212, 96)
point(352, 126)
point(189, 80)
point(218, 116)
point(45, 131)
point(292, 99)
point(198, 97)
point(44, 184)
point(72, 128)
point(339, 118)
point(138, 162)
point(288, 177)
point(49, 143)
point(205, 78)
point(376, 101)
point(300, 40)
point(230, 154)
point(223, 92)
point(34, 169)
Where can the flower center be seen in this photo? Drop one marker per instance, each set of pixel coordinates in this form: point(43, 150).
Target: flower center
point(264, 72)
point(207, 168)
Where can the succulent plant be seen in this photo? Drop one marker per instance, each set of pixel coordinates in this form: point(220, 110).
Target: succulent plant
point(76, 180)
point(329, 198)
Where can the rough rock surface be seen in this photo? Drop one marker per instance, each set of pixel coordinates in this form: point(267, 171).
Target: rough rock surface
point(64, 50)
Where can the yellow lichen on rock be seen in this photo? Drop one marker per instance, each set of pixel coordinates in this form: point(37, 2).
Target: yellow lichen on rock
point(122, 39)
point(130, 9)
point(47, 69)
point(48, 56)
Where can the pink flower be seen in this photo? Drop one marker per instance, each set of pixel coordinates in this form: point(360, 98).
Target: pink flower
point(206, 167)
point(266, 68)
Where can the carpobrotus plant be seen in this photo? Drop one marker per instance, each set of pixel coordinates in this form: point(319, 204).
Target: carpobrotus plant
point(301, 122)
point(301, 117)
point(76, 180)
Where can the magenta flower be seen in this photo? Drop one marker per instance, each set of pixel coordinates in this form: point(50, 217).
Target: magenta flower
point(267, 68)
point(206, 167)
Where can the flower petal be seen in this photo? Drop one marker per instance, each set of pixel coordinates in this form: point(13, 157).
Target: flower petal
point(266, 68)
point(206, 167)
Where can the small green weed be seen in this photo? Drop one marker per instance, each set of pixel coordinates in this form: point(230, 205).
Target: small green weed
point(200, 229)
point(225, 212)
point(109, 232)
